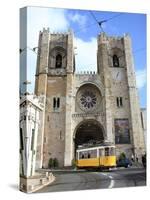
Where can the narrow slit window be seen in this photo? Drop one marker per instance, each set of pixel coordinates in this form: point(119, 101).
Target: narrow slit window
point(60, 135)
point(21, 139)
point(115, 61)
point(142, 120)
point(121, 103)
point(117, 102)
point(54, 102)
point(32, 139)
point(58, 102)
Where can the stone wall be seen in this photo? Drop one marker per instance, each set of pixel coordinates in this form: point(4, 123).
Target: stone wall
point(55, 121)
point(120, 82)
point(110, 82)
point(34, 183)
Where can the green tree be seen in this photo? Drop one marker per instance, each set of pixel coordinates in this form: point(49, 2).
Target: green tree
point(122, 156)
point(73, 163)
point(51, 163)
point(55, 162)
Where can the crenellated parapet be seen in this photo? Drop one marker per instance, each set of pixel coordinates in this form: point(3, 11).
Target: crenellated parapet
point(85, 73)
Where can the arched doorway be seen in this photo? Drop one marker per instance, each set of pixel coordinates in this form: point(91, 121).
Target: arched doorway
point(88, 132)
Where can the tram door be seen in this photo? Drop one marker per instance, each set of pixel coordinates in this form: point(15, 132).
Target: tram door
point(101, 156)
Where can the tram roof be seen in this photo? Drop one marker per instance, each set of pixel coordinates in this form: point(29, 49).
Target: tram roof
point(101, 145)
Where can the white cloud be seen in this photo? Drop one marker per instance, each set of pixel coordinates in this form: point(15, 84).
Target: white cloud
point(39, 18)
point(86, 54)
point(141, 78)
point(77, 18)
point(58, 20)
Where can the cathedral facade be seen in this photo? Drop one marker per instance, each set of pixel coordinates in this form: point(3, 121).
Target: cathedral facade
point(87, 107)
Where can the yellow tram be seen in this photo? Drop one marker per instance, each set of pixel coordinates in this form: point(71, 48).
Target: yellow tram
point(102, 156)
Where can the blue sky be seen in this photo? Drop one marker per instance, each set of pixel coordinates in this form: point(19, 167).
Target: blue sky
point(85, 31)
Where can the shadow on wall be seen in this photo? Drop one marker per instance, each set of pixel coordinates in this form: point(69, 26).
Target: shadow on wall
point(14, 186)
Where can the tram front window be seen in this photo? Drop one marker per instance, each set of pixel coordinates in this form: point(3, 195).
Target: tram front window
point(106, 151)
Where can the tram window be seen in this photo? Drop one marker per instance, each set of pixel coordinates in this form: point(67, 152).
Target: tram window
point(106, 151)
point(88, 154)
point(101, 152)
point(85, 154)
point(112, 151)
point(81, 155)
point(93, 153)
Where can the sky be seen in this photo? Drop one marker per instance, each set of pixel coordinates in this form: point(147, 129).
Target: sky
point(86, 29)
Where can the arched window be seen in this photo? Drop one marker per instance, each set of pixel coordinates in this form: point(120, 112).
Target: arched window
point(115, 61)
point(58, 61)
point(54, 103)
point(58, 102)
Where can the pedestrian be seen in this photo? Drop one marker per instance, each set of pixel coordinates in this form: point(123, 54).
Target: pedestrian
point(132, 158)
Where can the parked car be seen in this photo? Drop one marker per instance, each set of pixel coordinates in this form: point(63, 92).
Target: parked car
point(124, 163)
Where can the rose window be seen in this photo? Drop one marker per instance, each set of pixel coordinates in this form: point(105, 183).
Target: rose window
point(88, 99)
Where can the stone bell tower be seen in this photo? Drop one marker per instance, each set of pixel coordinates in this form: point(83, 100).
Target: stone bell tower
point(54, 76)
point(122, 109)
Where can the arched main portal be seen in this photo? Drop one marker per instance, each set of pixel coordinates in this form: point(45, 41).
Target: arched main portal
point(88, 132)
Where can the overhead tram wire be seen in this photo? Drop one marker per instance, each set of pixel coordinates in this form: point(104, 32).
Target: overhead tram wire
point(134, 53)
point(115, 16)
point(103, 21)
point(34, 48)
point(25, 49)
point(97, 22)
